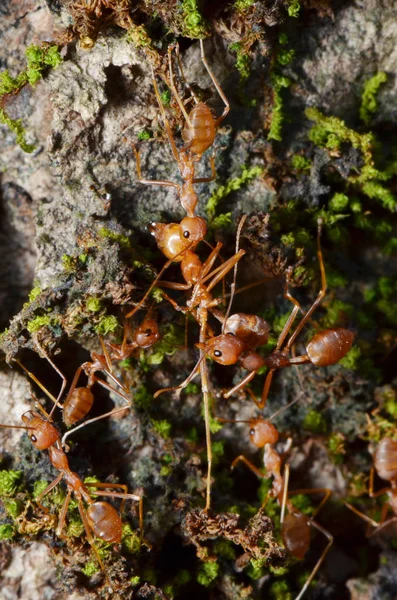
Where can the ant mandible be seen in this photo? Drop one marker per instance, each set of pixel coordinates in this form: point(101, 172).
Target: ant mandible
point(100, 519)
point(242, 334)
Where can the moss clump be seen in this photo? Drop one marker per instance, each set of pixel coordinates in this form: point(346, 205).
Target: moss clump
point(10, 482)
point(162, 427)
point(13, 507)
point(293, 8)
point(242, 62)
point(314, 422)
point(7, 532)
point(90, 568)
point(301, 163)
point(142, 398)
point(247, 174)
point(121, 239)
point(107, 325)
point(242, 5)
point(138, 35)
point(368, 99)
point(42, 321)
point(39, 59)
point(279, 82)
point(130, 539)
point(144, 135)
point(167, 346)
point(193, 21)
point(208, 572)
point(15, 125)
point(279, 590)
point(336, 447)
point(93, 304)
point(351, 359)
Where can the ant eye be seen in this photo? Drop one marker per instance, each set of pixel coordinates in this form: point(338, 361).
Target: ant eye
point(33, 438)
point(148, 332)
point(186, 234)
point(252, 432)
point(217, 353)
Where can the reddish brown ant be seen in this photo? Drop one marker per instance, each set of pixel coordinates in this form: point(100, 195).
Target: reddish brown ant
point(100, 519)
point(242, 334)
point(385, 464)
point(295, 527)
point(198, 133)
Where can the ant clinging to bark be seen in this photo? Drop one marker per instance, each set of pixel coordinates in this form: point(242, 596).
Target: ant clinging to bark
point(242, 334)
point(100, 519)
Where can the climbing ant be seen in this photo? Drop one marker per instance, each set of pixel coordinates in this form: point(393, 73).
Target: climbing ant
point(242, 334)
point(100, 519)
point(198, 133)
point(385, 464)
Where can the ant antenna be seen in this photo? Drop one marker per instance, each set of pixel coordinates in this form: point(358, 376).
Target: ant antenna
point(233, 285)
point(285, 492)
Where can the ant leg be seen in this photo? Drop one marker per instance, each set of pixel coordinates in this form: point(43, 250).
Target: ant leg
point(361, 515)
point(98, 485)
point(233, 285)
point(320, 560)
point(37, 382)
point(213, 173)
point(220, 272)
point(371, 492)
point(250, 465)
point(217, 86)
point(321, 293)
point(384, 524)
point(285, 492)
point(242, 384)
point(160, 182)
point(175, 91)
point(171, 140)
point(63, 513)
point(179, 388)
point(294, 312)
point(89, 421)
point(48, 489)
point(310, 491)
point(189, 87)
point(202, 318)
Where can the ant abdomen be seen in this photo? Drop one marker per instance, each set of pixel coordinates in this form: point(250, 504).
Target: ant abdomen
point(329, 346)
point(105, 522)
point(78, 405)
point(385, 459)
point(201, 134)
point(295, 532)
point(251, 329)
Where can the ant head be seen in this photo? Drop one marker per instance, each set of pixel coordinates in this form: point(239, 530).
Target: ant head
point(41, 433)
point(147, 333)
point(174, 239)
point(262, 432)
point(224, 349)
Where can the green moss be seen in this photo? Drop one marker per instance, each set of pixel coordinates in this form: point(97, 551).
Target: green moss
point(169, 343)
point(279, 82)
point(138, 36)
point(93, 304)
point(130, 539)
point(284, 56)
point(15, 125)
point(165, 97)
point(10, 482)
point(368, 99)
point(242, 61)
point(41, 321)
point(302, 503)
point(90, 568)
point(338, 203)
point(121, 239)
point(13, 507)
point(232, 185)
point(208, 572)
point(225, 549)
point(293, 8)
point(331, 132)
point(107, 325)
point(279, 590)
point(193, 21)
point(336, 311)
point(144, 135)
point(142, 398)
point(314, 422)
point(83, 258)
point(135, 580)
point(162, 427)
point(336, 447)
point(34, 293)
point(242, 5)
point(69, 262)
point(7, 532)
point(351, 360)
point(301, 163)
point(377, 191)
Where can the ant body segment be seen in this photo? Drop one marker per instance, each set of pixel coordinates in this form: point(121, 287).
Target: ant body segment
point(385, 464)
point(100, 519)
